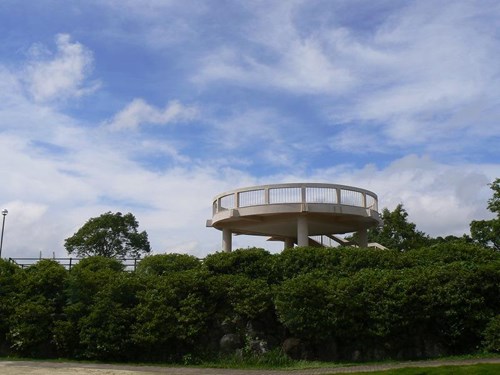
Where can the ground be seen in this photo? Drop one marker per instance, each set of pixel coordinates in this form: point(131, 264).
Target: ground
point(57, 368)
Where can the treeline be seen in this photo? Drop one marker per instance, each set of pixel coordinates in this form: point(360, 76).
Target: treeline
point(320, 303)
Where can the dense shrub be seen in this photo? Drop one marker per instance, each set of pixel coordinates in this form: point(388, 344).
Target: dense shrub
point(38, 302)
point(254, 263)
point(492, 335)
point(333, 303)
point(167, 263)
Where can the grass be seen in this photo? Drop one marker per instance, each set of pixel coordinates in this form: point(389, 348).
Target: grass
point(275, 360)
point(481, 369)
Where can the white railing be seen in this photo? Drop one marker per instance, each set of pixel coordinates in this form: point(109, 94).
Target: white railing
point(296, 193)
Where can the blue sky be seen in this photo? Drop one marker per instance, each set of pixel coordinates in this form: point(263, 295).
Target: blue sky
point(154, 107)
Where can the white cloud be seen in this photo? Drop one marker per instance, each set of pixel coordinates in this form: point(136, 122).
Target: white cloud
point(61, 75)
point(440, 198)
point(421, 76)
point(424, 72)
point(138, 112)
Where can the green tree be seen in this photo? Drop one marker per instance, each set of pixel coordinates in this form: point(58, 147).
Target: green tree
point(109, 235)
point(487, 232)
point(397, 232)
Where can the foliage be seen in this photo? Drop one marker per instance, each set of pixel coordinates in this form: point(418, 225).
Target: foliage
point(86, 286)
point(39, 300)
point(105, 331)
point(173, 315)
point(8, 291)
point(167, 263)
point(254, 263)
point(492, 335)
point(483, 369)
point(111, 235)
point(397, 232)
point(339, 303)
point(487, 232)
point(305, 306)
point(241, 296)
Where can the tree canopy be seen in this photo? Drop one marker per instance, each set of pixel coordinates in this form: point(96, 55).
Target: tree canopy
point(111, 235)
point(487, 232)
point(397, 232)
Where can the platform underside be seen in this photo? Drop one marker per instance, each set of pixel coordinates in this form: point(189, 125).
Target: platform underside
point(280, 220)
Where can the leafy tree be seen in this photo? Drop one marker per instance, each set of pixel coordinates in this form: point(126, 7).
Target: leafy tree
point(111, 235)
point(487, 232)
point(397, 232)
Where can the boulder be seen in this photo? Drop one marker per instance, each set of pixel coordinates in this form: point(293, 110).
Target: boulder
point(229, 343)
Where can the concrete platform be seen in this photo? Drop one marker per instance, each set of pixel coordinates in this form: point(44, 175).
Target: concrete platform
point(293, 212)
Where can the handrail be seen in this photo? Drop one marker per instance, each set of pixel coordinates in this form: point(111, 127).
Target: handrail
point(128, 263)
point(295, 193)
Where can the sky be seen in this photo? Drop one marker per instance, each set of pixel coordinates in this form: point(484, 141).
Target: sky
point(155, 106)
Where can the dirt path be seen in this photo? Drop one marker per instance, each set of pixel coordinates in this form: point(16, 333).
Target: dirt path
point(49, 368)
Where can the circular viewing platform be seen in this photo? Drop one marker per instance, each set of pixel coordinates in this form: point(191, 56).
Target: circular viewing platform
point(293, 212)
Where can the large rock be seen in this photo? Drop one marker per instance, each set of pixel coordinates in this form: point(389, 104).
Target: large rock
point(230, 342)
point(294, 348)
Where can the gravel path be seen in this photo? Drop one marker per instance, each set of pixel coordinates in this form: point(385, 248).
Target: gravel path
point(49, 368)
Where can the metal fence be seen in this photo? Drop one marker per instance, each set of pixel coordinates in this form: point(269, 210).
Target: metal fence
point(129, 263)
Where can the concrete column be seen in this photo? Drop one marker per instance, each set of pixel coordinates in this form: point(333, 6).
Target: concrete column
point(289, 242)
point(302, 231)
point(363, 238)
point(227, 240)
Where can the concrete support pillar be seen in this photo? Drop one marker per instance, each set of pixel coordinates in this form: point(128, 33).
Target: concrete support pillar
point(227, 240)
point(363, 238)
point(302, 231)
point(289, 242)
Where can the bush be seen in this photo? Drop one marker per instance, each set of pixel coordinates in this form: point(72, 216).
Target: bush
point(492, 335)
point(167, 263)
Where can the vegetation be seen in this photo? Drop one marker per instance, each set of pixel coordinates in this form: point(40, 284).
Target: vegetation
point(109, 235)
point(483, 369)
point(397, 232)
point(350, 304)
point(421, 298)
point(487, 232)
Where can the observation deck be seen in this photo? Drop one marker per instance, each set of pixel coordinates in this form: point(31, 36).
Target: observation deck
point(293, 212)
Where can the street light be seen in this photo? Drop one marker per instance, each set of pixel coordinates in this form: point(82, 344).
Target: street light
point(4, 213)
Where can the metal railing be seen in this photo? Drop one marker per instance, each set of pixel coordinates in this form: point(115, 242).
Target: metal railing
point(130, 264)
point(295, 193)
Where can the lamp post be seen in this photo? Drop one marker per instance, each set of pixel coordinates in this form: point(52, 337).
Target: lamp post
point(4, 213)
